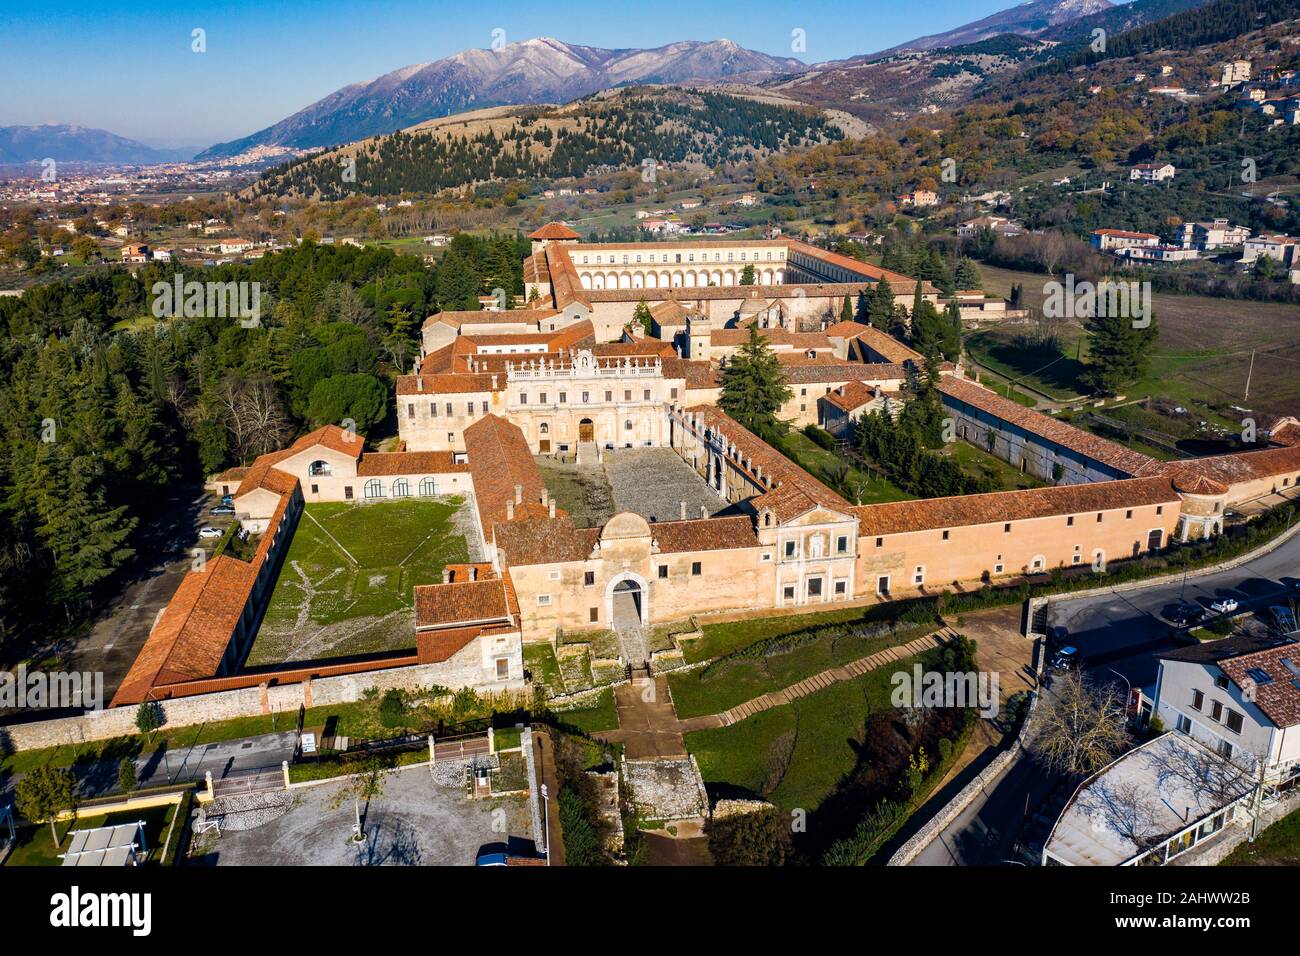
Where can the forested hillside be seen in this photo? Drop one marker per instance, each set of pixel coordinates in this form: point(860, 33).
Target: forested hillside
point(599, 133)
point(102, 406)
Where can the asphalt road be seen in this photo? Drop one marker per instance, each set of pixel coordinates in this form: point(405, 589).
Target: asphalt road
point(1116, 633)
point(181, 764)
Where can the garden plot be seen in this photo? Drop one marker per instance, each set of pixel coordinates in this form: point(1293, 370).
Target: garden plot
point(346, 586)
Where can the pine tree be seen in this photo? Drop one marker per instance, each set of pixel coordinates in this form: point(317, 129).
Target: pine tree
point(754, 386)
point(862, 314)
point(968, 275)
point(846, 310)
point(1118, 350)
point(881, 309)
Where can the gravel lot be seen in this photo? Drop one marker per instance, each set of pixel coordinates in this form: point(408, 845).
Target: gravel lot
point(414, 823)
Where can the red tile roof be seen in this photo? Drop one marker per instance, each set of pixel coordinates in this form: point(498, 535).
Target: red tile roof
point(1216, 474)
point(1090, 446)
point(461, 603)
point(544, 540)
point(851, 396)
point(408, 463)
point(500, 460)
point(998, 507)
point(554, 230)
point(704, 534)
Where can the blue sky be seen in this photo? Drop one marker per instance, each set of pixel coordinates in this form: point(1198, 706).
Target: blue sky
point(128, 67)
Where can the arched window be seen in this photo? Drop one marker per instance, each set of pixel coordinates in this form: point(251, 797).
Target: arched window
point(401, 488)
point(627, 425)
point(427, 488)
point(374, 488)
point(319, 469)
point(544, 428)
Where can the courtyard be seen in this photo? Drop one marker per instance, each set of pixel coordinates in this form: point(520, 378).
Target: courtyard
point(422, 819)
point(346, 585)
point(651, 482)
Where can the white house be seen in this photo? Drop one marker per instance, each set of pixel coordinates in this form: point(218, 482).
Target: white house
point(1109, 240)
point(1152, 172)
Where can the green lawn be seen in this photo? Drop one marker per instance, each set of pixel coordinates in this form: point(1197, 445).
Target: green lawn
point(592, 718)
point(36, 847)
point(978, 463)
point(866, 487)
point(796, 754)
point(1279, 845)
point(347, 580)
point(736, 679)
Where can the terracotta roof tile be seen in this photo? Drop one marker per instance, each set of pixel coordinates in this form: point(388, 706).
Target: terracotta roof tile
point(704, 534)
point(1002, 506)
point(544, 540)
point(500, 460)
point(554, 230)
point(1090, 446)
point(408, 463)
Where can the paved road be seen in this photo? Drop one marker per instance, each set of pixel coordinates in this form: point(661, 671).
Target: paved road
point(1120, 631)
point(185, 763)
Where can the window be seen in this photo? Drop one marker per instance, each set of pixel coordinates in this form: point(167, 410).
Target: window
point(433, 409)
point(1233, 721)
point(1098, 517)
point(627, 425)
point(1128, 513)
point(814, 587)
point(427, 488)
point(646, 395)
point(503, 668)
point(609, 396)
point(1006, 528)
point(696, 569)
point(1183, 724)
point(1221, 681)
point(347, 492)
point(1216, 711)
point(595, 614)
point(541, 399)
point(841, 587)
point(523, 398)
point(842, 544)
point(374, 488)
point(945, 535)
point(564, 398)
point(918, 577)
point(1069, 522)
point(1225, 750)
point(401, 488)
point(627, 394)
point(789, 549)
point(1198, 700)
point(1160, 509)
point(543, 600)
point(586, 397)
point(410, 409)
point(787, 592)
point(880, 542)
point(663, 570)
point(315, 489)
point(588, 578)
point(997, 568)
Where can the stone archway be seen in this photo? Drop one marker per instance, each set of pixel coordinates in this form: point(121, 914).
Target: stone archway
point(627, 599)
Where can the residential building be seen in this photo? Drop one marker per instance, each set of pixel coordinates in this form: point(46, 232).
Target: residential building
point(1152, 172)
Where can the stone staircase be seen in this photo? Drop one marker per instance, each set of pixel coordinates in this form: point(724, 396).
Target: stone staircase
point(834, 675)
point(588, 453)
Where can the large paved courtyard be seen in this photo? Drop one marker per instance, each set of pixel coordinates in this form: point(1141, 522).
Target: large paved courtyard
point(416, 822)
point(652, 482)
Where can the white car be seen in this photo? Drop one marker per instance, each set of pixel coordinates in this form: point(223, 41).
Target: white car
point(210, 532)
point(1224, 606)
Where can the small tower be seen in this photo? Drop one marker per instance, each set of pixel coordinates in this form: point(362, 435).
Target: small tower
point(699, 335)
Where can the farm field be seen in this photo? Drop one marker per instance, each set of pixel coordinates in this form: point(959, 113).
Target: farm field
point(1202, 355)
point(346, 586)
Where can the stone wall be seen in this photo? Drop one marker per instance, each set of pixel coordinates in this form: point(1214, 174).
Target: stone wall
point(465, 668)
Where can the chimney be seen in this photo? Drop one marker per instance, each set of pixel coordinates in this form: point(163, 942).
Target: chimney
point(550, 508)
point(473, 573)
point(704, 512)
point(494, 382)
point(446, 575)
point(683, 510)
point(510, 511)
point(519, 494)
point(545, 496)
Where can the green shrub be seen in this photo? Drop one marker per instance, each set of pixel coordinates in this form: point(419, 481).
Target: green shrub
point(392, 708)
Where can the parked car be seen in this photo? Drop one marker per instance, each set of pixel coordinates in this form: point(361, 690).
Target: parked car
point(210, 532)
point(221, 510)
point(1184, 614)
point(228, 500)
point(1224, 605)
point(1283, 619)
point(1066, 659)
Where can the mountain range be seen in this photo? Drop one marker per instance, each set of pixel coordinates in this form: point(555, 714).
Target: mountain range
point(1027, 20)
point(79, 144)
point(540, 70)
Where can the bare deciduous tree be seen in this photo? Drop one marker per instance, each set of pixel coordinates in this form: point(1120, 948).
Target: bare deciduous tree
point(1081, 725)
point(253, 415)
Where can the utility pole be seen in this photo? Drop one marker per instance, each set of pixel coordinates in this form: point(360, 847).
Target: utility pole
point(1250, 371)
